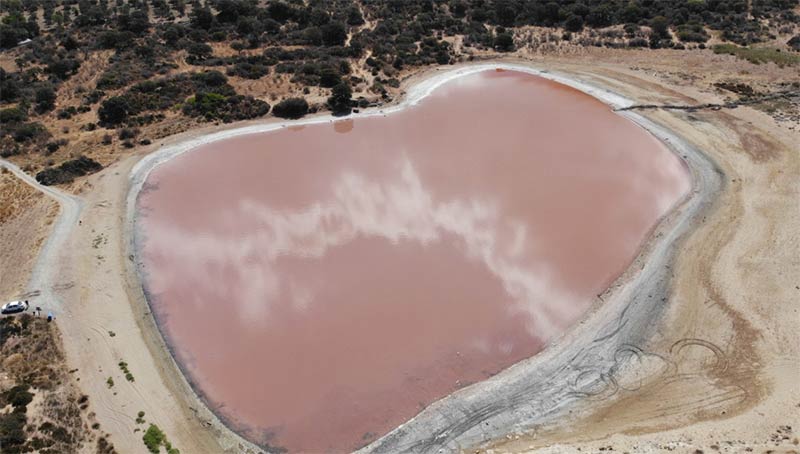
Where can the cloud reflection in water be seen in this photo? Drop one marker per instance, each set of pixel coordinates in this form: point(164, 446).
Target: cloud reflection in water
point(396, 210)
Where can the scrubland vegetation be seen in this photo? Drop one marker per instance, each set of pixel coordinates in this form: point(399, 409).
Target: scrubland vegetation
point(759, 55)
point(154, 438)
point(135, 63)
point(56, 423)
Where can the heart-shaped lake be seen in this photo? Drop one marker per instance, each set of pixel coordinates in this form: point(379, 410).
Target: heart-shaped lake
point(322, 284)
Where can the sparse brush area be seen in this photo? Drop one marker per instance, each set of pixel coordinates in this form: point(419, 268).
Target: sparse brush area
point(758, 55)
point(71, 71)
point(123, 366)
point(16, 196)
point(41, 408)
point(67, 171)
point(154, 439)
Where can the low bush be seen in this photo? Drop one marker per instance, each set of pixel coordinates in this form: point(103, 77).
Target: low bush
point(692, 32)
point(153, 438)
point(12, 430)
point(28, 132)
point(292, 108)
point(214, 106)
point(758, 55)
point(128, 133)
point(794, 43)
point(68, 171)
point(340, 102)
point(67, 113)
point(248, 70)
point(13, 115)
point(19, 396)
point(165, 93)
point(53, 146)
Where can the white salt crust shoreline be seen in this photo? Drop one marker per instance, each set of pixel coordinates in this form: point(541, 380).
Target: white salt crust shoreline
point(584, 361)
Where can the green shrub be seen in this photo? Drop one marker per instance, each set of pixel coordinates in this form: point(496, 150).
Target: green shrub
point(24, 132)
point(340, 101)
point(504, 42)
point(153, 438)
point(758, 55)
point(12, 115)
point(114, 111)
point(68, 171)
point(292, 108)
point(213, 106)
point(692, 32)
point(248, 70)
point(12, 429)
point(19, 396)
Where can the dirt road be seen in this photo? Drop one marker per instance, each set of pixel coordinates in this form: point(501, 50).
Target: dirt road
point(43, 275)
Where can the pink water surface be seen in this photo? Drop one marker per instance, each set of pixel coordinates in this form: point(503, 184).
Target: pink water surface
point(322, 284)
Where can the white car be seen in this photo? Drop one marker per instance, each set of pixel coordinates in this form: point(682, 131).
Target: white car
point(14, 307)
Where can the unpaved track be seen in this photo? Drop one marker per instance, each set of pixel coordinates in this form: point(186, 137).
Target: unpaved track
point(43, 274)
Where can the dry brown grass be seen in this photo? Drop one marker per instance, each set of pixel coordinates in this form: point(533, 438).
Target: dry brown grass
point(15, 196)
point(25, 215)
point(57, 415)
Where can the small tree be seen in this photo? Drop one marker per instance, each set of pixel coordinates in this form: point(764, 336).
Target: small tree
point(334, 34)
point(198, 52)
point(574, 24)
point(340, 101)
point(114, 111)
point(329, 77)
point(45, 98)
point(660, 26)
point(354, 16)
point(292, 108)
point(504, 42)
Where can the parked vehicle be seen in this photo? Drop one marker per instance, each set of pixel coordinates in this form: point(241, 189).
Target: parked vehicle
point(14, 307)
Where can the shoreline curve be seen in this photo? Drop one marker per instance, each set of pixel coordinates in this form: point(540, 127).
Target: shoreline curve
point(582, 362)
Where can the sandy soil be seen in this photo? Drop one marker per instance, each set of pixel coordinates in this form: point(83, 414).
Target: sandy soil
point(734, 293)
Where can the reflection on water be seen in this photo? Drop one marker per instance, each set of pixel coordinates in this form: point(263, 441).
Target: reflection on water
point(399, 210)
point(322, 285)
point(343, 126)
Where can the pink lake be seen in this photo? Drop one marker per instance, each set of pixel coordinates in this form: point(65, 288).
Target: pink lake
point(322, 284)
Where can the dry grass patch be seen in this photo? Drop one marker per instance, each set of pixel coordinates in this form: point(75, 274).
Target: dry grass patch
point(43, 411)
point(758, 55)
